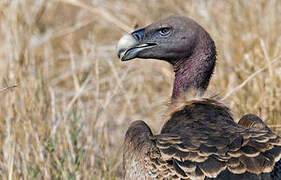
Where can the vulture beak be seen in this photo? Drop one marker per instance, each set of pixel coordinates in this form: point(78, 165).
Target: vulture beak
point(130, 45)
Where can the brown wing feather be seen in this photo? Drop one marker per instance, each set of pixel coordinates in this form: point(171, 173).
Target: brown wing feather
point(203, 141)
point(136, 149)
point(253, 121)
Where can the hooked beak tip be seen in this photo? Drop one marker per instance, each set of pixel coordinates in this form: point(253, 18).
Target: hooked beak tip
point(120, 51)
point(125, 43)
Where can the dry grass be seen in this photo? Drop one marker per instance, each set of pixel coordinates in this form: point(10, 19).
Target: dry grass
point(67, 100)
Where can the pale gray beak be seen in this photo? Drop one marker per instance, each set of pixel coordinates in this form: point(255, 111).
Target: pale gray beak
point(130, 45)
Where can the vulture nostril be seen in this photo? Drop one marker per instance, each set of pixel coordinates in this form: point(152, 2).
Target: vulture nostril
point(138, 38)
point(139, 34)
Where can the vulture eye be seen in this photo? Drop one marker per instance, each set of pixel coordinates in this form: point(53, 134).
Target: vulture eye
point(165, 31)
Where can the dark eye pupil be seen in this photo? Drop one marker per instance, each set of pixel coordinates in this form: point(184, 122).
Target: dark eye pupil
point(165, 31)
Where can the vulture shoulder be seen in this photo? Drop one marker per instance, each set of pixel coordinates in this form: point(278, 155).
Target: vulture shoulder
point(201, 141)
point(253, 121)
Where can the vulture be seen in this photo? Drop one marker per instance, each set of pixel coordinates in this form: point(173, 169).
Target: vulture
point(199, 139)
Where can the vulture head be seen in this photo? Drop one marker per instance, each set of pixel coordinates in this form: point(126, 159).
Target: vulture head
point(177, 40)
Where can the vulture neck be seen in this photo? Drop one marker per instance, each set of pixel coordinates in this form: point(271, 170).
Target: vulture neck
point(194, 72)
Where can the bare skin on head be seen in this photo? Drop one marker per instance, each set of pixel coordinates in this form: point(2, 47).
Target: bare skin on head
point(199, 140)
point(181, 42)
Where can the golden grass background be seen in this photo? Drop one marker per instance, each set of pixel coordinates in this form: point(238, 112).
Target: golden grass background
point(66, 100)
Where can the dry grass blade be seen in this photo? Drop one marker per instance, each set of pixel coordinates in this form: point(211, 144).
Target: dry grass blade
point(78, 94)
point(250, 77)
point(8, 87)
point(100, 11)
point(63, 32)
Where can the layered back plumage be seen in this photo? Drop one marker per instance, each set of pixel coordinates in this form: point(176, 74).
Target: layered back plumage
point(200, 139)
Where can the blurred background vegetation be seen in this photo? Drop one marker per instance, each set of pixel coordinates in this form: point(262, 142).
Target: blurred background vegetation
point(66, 100)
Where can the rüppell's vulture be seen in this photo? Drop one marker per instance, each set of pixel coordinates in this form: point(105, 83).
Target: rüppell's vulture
point(199, 140)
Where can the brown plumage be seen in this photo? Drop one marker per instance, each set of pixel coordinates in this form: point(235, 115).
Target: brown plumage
point(199, 139)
